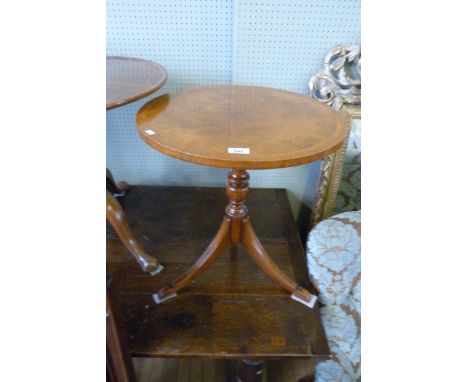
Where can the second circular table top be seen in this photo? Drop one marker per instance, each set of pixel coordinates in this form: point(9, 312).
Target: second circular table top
point(241, 127)
point(129, 79)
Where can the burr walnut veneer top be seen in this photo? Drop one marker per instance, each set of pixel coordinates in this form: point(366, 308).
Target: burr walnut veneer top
point(244, 127)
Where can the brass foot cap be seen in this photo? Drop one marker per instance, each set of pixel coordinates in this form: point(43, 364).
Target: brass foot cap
point(158, 269)
point(158, 299)
point(310, 303)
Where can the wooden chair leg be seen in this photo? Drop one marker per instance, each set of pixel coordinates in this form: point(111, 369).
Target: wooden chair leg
point(116, 217)
point(211, 254)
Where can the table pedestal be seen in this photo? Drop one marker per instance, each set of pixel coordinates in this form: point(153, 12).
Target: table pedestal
point(236, 228)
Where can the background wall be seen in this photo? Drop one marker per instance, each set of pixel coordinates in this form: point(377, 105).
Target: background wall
point(277, 44)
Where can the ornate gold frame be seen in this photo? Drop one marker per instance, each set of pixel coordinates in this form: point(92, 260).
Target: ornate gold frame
point(339, 86)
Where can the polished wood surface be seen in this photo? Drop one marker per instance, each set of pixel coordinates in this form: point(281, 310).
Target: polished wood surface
point(279, 128)
point(234, 310)
point(130, 79)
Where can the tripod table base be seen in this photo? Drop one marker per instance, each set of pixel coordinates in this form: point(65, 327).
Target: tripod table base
point(236, 228)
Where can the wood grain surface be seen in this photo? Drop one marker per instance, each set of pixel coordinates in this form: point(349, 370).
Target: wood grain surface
point(279, 128)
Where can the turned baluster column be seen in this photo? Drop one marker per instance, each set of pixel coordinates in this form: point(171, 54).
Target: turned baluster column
point(236, 211)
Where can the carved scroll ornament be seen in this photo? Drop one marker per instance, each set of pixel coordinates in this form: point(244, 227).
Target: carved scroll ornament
point(340, 81)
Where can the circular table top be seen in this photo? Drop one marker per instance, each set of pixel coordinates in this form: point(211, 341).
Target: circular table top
point(130, 79)
point(241, 127)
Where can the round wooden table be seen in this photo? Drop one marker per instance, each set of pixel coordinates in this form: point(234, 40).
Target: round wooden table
point(240, 128)
point(127, 80)
point(130, 79)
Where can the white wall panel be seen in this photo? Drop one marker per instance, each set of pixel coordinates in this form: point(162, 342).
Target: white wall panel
point(269, 43)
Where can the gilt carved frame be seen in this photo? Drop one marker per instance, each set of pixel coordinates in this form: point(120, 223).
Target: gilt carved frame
point(339, 86)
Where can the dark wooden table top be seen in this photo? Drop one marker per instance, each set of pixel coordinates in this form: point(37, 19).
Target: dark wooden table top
point(272, 128)
point(130, 79)
point(234, 310)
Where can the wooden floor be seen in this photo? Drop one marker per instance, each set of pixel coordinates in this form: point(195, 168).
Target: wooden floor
point(206, 370)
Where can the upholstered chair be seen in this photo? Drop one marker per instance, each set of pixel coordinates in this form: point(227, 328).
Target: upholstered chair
point(334, 266)
point(334, 243)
